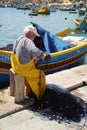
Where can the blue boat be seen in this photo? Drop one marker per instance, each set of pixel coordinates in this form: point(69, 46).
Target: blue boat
point(64, 55)
point(23, 7)
point(81, 12)
point(4, 80)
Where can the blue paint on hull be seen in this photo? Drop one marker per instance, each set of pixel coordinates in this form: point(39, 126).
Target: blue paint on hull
point(67, 66)
point(4, 77)
point(4, 80)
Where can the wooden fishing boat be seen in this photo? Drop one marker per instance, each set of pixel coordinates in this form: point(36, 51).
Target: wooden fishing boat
point(52, 9)
point(82, 24)
point(77, 21)
point(63, 55)
point(73, 12)
point(67, 9)
point(23, 7)
point(43, 10)
point(33, 13)
point(82, 11)
point(77, 31)
point(2, 5)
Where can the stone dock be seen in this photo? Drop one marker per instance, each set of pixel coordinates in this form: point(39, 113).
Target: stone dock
point(18, 117)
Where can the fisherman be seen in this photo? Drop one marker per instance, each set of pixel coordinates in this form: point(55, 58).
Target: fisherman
point(24, 59)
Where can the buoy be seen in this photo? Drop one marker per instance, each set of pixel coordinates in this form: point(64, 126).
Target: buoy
point(65, 18)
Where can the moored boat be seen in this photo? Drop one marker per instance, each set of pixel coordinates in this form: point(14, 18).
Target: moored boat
point(82, 11)
point(43, 10)
point(78, 32)
point(63, 55)
point(23, 7)
point(82, 24)
point(33, 14)
point(73, 12)
point(67, 9)
point(2, 5)
point(52, 9)
point(77, 21)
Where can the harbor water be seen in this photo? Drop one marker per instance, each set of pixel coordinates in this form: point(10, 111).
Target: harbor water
point(13, 21)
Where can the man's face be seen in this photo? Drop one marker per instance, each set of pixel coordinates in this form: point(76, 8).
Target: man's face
point(31, 35)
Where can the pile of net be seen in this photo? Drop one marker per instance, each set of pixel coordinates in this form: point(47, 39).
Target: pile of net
point(59, 104)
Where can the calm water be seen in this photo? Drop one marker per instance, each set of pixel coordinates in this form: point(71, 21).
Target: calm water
point(13, 22)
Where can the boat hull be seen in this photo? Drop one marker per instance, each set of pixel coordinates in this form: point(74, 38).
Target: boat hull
point(59, 61)
point(77, 21)
point(4, 80)
point(63, 62)
point(43, 10)
point(81, 12)
point(33, 14)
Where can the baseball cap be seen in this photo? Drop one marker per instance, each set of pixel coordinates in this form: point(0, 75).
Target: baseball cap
point(32, 29)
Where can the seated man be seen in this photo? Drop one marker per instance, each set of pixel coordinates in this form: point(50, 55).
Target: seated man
point(23, 61)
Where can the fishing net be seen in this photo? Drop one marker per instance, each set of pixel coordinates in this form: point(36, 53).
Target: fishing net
point(60, 105)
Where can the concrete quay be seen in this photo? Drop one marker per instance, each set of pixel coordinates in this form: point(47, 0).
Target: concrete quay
point(70, 78)
point(19, 117)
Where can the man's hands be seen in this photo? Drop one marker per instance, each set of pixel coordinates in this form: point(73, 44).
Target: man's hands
point(38, 60)
point(47, 57)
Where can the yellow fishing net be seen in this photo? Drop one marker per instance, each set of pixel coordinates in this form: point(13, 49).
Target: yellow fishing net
point(35, 77)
